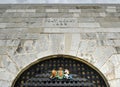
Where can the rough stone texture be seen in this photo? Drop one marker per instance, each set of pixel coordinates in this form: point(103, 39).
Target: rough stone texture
point(30, 32)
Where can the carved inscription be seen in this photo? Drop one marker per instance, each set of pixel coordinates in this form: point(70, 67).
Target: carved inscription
point(61, 22)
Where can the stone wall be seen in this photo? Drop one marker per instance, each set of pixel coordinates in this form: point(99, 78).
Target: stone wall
point(30, 32)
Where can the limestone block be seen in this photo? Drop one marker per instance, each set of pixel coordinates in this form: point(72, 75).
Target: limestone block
point(16, 25)
point(108, 70)
point(86, 19)
point(114, 83)
point(103, 14)
point(11, 51)
point(93, 14)
point(11, 34)
point(21, 10)
point(108, 35)
point(9, 64)
point(3, 50)
point(112, 42)
point(68, 38)
point(58, 15)
point(89, 25)
point(3, 25)
point(11, 31)
point(86, 48)
point(23, 60)
point(116, 42)
point(111, 9)
point(36, 25)
point(76, 15)
point(52, 10)
point(113, 35)
point(75, 42)
point(117, 71)
point(75, 10)
point(29, 46)
point(9, 42)
point(56, 43)
point(42, 44)
point(88, 36)
point(4, 83)
point(102, 54)
point(6, 75)
point(1, 64)
point(110, 24)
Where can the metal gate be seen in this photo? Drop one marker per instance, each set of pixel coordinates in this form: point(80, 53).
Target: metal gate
point(38, 74)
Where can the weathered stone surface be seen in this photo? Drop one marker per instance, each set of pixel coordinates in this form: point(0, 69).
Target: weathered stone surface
point(102, 54)
point(9, 42)
point(86, 48)
point(3, 50)
point(110, 24)
point(56, 44)
point(52, 10)
point(5, 75)
point(118, 49)
point(89, 25)
point(42, 44)
point(21, 10)
point(8, 64)
point(111, 9)
point(30, 32)
point(4, 83)
point(75, 10)
point(109, 70)
point(114, 83)
point(24, 59)
point(117, 71)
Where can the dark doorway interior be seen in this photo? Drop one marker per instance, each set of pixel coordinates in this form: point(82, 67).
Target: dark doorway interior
point(38, 74)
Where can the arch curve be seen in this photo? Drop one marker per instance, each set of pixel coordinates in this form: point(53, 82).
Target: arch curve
point(76, 65)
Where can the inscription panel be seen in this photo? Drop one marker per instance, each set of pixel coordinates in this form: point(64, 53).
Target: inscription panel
point(61, 22)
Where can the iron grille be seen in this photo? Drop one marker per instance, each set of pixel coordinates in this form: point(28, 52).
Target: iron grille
point(38, 74)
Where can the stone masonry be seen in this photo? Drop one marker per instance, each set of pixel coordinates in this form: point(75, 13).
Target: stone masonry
point(30, 32)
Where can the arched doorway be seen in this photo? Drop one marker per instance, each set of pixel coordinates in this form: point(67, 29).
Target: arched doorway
point(38, 73)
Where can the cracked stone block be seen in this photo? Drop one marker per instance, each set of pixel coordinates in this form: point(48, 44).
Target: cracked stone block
point(115, 59)
point(23, 60)
point(108, 70)
point(9, 64)
point(102, 54)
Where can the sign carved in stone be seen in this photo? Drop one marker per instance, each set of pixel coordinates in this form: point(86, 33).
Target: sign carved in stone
point(61, 22)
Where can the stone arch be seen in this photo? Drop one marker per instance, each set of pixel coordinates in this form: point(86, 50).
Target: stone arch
point(22, 75)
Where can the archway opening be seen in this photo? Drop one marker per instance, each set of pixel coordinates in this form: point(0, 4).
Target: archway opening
point(82, 73)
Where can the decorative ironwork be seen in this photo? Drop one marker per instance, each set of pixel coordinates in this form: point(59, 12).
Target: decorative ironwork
point(38, 75)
